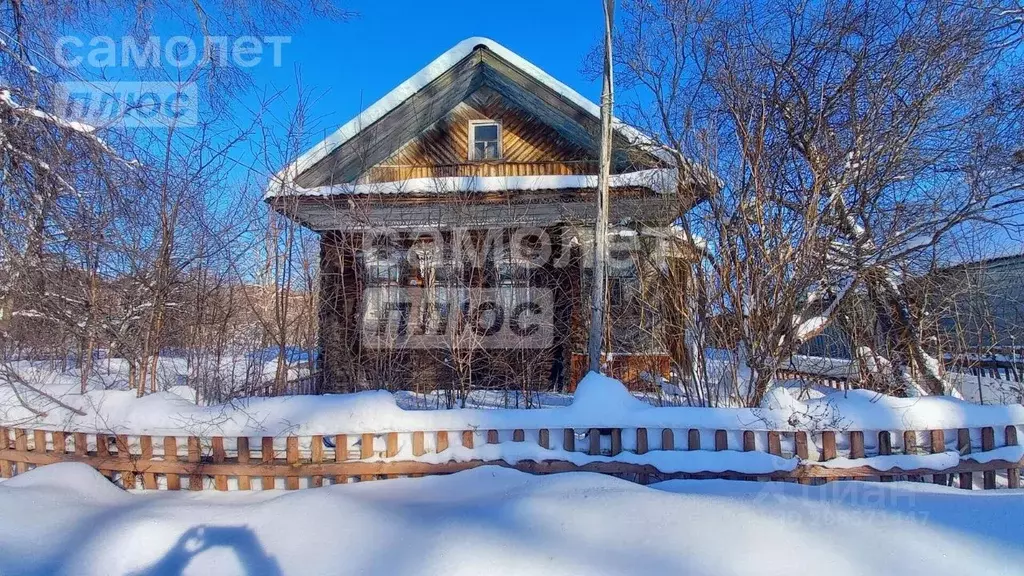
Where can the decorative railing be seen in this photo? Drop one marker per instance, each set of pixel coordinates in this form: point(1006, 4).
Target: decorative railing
point(950, 457)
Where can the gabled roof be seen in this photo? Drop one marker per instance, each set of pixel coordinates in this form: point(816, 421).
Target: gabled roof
point(428, 95)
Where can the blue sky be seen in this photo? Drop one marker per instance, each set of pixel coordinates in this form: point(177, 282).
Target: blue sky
point(350, 64)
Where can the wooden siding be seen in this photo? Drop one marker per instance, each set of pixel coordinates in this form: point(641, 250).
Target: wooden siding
point(529, 146)
point(546, 127)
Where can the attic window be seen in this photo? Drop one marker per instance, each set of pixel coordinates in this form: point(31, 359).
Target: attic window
point(484, 140)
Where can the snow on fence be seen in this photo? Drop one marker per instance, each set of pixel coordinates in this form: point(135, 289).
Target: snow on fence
point(950, 457)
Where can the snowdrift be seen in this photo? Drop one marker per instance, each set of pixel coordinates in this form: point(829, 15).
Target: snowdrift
point(502, 522)
point(599, 402)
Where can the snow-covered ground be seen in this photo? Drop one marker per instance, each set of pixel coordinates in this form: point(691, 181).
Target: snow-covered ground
point(67, 519)
point(599, 402)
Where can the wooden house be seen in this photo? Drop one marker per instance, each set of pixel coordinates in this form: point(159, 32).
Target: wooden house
point(475, 178)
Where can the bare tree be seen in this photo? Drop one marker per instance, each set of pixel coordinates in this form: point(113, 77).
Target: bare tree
point(846, 139)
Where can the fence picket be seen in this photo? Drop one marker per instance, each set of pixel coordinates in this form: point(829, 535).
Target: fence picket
point(938, 445)
point(774, 443)
point(366, 451)
point(569, 440)
point(391, 448)
point(195, 479)
point(641, 440)
point(749, 445)
point(641, 448)
point(59, 442)
point(21, 445)
point(242, 448)
point(81, 445)
point(856, 444)
point(123, 453)
point(170, 455)
point(316, 456)
point(885, 449)
point(668, 439)
point(693, 439)
point(340, 455)
point(910, 447)
point(146, 447)
point(963, 444)
point(595, 442)
point(988, 442)
point(267, 457)
point(220, 481)
point(1012, 474)
point(800, 445)
point(291, 455)
point(5, 444)
point(828, 445)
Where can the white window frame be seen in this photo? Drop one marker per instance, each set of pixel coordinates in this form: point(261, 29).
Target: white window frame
point(472, 140)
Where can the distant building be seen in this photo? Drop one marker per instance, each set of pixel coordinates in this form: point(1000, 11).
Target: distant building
point(982, 304)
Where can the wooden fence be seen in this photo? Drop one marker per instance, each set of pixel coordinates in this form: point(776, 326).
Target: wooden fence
point(292, 462)
point(1008, 370)
point(826, 380)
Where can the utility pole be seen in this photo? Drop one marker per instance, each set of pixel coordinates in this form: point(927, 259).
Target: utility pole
point(597, 294)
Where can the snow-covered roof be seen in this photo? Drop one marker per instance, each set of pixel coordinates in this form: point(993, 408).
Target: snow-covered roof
point(660, 180)
point(285, 184)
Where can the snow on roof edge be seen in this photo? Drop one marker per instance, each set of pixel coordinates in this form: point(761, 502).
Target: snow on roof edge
point(425, 76)
point(660, 180)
